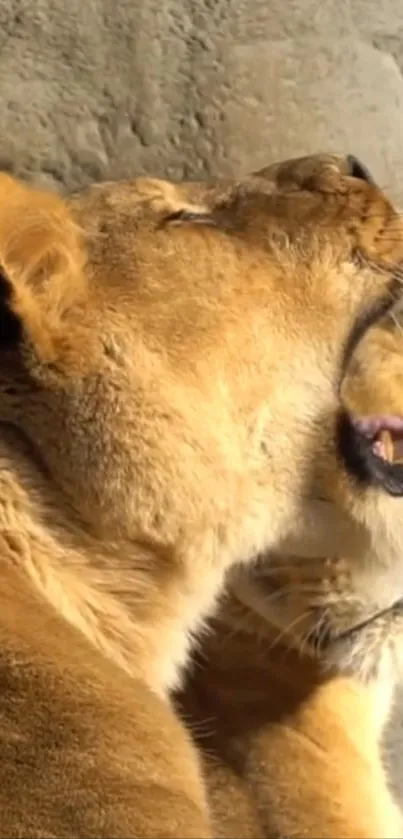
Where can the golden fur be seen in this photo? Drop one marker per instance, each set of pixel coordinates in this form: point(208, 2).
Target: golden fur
point(288, 751)
point(295, 683)
point(172, 359)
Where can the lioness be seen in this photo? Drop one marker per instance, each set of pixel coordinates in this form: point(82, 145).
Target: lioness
point(171, 366)
point(296, 681)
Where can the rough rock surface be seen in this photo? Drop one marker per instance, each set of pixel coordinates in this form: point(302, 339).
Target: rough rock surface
point(108, 88)
point(183, 88)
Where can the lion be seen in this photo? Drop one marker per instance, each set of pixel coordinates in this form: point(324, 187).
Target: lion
point(172, 365)
point(296, 681)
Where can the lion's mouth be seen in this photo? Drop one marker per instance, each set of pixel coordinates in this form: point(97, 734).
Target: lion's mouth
point(372, 449)
point(385, 434)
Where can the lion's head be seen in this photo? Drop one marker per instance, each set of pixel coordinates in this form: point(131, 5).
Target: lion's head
point(174, 357)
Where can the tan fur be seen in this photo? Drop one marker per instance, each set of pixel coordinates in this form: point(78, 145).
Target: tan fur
point(287, 751)
point(170, 361)
point(290, 726)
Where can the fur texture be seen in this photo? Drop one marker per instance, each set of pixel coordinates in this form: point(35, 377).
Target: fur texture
point(296, 682)
point(171, 358)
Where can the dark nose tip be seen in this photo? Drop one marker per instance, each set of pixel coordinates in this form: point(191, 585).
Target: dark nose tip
point(357, 170)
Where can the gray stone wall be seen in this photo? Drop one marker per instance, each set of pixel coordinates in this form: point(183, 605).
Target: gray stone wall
point(103, 88)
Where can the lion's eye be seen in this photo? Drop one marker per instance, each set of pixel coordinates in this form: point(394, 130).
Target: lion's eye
point(189, 217)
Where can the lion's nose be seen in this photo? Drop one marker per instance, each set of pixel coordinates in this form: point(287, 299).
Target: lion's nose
point(357, 170)
point(316, 171)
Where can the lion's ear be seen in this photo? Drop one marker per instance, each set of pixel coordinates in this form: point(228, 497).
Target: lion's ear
point(41, 261)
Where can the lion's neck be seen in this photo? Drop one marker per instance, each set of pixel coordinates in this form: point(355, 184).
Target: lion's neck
point(135, 604)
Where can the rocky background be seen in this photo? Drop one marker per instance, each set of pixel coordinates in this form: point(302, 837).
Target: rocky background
point(94, 89)
point(104, 88)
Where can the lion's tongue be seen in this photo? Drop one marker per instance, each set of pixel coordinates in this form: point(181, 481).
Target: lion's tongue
point(386, 434)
